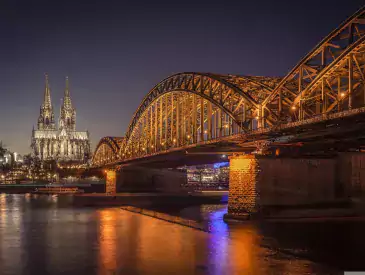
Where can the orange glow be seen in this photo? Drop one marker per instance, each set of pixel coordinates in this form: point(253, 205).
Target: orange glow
point(111, 182)
point(108, 234)
point(243, 173)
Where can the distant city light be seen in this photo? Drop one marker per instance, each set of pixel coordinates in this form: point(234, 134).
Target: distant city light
point(220, 164)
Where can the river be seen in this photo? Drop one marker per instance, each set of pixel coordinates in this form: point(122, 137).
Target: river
point(45, 234)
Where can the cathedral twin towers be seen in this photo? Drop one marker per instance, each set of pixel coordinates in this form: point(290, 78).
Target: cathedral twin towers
point(62, 143)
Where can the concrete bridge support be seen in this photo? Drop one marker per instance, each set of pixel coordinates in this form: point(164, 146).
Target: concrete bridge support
point(143, 179)
point(258, 183)
point(111, 182)
point(243, 199)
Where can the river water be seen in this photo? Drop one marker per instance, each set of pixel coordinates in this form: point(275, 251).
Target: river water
point(45, 234)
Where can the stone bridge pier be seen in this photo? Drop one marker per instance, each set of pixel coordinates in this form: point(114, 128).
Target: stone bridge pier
point(260, 183)
point(143, 179)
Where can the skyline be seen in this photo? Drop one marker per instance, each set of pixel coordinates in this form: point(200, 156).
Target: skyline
point(114, 54)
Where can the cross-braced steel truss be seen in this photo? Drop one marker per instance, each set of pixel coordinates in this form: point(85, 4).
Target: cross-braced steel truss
point(107, 150)
point(328, 79)
point(190, 108)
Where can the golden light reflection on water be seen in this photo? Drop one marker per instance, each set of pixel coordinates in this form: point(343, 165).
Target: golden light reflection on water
point(2, 207)
point(112, 241)
point(248, 255)
point(145, 245)
point(107, 240)
point(243, 251)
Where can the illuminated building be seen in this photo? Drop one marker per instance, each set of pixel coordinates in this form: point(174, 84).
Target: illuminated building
point(208, 177)
point(63, 143)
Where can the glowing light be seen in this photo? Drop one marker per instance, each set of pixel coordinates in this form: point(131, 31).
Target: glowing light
point(220, 164)
point(342, 94)
point(205, 132)
point(174, 140)
point(293, 108)
point(226, 126)
point(257, 117)
point(188, 136)
point(224, 156)
point(152, 146)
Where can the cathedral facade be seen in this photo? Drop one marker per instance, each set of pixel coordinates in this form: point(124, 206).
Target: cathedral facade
point(61, 143)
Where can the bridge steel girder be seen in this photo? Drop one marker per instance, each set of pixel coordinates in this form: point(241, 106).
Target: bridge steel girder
point(188, 107)
point(106, 151)
point(309, 89)
point(191, 109)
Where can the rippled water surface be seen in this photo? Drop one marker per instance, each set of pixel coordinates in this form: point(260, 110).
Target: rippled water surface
point(46, 235)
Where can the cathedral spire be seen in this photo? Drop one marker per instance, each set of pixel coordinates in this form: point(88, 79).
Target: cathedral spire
point(67, 98)
point(47, 94)
point(46, 116)
point(67, 113)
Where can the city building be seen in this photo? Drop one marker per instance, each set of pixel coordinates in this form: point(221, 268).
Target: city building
point(61, 143)
point(208, 177)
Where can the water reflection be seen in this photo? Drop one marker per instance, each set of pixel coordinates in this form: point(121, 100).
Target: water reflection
point(47, 235)
point(107, 241)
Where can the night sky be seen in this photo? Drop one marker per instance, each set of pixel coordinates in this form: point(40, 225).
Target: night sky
point(114, 52)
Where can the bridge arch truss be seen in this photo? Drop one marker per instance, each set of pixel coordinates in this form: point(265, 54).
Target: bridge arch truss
point(188, 109)
point(107, 150)
point(191, 108)
point(329, 79)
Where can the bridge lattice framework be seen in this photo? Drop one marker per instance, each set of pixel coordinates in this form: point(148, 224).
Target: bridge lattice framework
point(188, 109)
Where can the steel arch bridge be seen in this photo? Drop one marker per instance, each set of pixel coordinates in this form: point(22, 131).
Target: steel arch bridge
point(188, 109)
point(107, 150)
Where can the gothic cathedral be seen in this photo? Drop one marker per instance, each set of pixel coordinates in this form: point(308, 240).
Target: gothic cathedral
point(64, 143)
